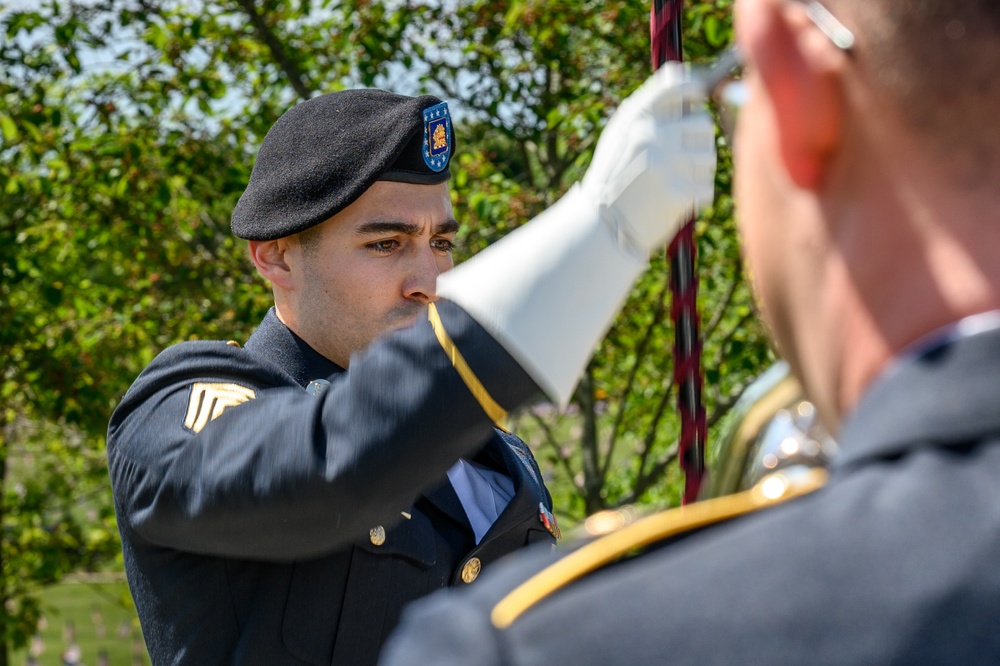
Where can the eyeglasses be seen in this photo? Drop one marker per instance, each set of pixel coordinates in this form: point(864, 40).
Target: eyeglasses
point(730, 93)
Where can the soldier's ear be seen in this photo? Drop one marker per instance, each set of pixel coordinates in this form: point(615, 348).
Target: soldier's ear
point(269, 258)
point(798, 72)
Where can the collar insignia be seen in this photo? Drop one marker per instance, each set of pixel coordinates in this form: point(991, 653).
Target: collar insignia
point(437, 136)
point(549, 520)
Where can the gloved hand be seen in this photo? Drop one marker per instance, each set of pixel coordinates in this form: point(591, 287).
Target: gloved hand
point(548, 291)
point(655, 162)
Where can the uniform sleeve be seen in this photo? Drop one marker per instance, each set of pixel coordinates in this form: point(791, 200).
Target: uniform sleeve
point(445, 631)
point(213, 452)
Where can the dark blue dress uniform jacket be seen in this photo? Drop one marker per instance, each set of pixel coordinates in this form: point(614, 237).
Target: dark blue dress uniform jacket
point(895, 561)
point(247, 505)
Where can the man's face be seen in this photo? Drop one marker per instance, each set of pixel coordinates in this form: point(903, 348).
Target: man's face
point(786, 180)
point(765, 234)
point(372, 267)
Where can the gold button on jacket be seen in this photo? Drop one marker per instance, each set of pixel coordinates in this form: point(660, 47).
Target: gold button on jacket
point(377, 535)
point(471, 570)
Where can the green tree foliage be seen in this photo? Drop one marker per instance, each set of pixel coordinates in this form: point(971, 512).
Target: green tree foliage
point(127, 132)
point(113, 244)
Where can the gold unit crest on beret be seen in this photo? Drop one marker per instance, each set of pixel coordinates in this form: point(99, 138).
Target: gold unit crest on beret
point(437, 136)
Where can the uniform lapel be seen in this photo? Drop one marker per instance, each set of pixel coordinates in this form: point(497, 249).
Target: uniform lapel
point(528, 489)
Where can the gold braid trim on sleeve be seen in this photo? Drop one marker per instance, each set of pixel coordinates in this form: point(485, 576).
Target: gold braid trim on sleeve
point(497, 413)
point(771, 490)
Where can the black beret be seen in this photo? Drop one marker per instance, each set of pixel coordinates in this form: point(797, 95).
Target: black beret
point(326, 152)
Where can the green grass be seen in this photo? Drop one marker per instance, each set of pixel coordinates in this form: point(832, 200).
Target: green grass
point(100, 618)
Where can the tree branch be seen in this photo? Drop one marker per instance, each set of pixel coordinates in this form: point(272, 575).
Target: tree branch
point(295, 76)
point(723, 405)
point(717, 359)
point(550, 440)
point(720, 311)
point(589, 442)
point(526, 155)
point(643, 480)
point(640, 353)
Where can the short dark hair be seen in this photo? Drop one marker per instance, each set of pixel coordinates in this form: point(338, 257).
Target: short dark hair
point(309, 239)
point(936, 64)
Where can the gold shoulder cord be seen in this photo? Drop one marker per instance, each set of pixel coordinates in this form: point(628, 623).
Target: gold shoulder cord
point(497, 413)
point(772, 490)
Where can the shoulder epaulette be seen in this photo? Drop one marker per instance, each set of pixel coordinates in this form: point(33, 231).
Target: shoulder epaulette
point(772, 490)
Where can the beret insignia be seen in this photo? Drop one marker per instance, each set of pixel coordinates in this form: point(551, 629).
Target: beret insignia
point(437, 136)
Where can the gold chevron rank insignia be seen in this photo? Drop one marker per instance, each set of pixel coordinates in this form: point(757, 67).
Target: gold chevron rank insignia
point(208, 401)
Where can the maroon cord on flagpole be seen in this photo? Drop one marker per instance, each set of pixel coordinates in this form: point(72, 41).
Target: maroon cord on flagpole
point(666, 45)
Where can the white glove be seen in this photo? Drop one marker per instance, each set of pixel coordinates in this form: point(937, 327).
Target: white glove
point(655, 162)
point(549, 291)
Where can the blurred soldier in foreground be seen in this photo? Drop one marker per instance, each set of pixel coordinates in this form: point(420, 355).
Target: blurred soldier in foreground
point(279, 503)
point(868, 184)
